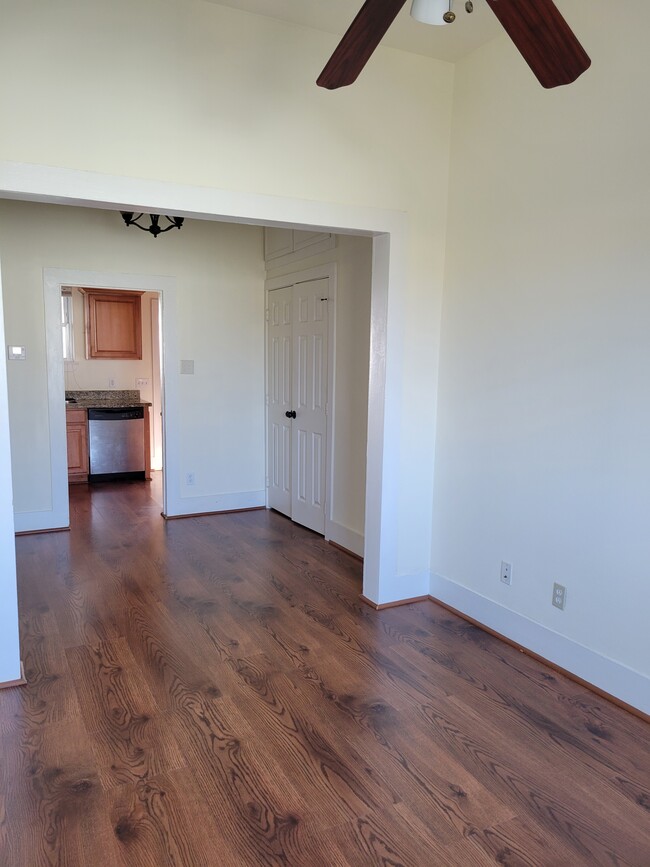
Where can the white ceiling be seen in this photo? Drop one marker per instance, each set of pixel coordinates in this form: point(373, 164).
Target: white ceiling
point(449, 42)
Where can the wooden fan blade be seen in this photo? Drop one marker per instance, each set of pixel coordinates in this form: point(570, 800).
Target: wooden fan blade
point(545, 40)
point(363, 36)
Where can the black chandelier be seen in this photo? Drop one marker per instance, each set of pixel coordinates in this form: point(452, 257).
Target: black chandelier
point(131, 219)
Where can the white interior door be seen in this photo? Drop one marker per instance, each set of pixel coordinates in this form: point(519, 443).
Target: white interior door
point(297, 401)
point(278, 366)
point(309, 389)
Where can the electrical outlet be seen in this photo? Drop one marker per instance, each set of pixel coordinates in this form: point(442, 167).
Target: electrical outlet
point(506, 572)
point(142, 383)
point(559, 596)
point(111, 383)
point(189, 479)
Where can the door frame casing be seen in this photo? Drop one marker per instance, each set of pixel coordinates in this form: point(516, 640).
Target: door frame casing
point(320, 272)
point(53, 280)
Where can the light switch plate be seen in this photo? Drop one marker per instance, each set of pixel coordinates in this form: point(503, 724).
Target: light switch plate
point(187, 366)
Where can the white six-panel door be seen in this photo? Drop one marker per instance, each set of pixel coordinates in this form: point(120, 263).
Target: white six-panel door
point(279, 375)
point(298, 370)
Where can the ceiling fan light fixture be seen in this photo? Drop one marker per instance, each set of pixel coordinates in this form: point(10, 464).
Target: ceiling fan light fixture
point(432, 11)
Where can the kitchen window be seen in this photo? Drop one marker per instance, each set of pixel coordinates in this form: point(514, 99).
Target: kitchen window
point(66, 325)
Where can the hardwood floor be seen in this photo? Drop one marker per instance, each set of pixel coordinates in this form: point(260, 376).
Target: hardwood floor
point(212, 692)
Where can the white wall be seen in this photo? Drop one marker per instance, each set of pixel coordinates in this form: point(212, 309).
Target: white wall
point(9, 643)
point(220, 302)
point(238, 109)
point(543, 441)
point(353, 258)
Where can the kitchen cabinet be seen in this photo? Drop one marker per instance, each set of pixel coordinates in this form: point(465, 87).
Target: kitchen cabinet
point(77, 441)
point(113, 323)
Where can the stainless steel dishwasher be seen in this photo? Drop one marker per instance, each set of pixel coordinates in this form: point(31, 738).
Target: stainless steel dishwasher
point(116, 440)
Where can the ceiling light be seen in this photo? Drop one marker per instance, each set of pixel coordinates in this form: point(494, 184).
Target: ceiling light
point(432, 11)
point(131, 219)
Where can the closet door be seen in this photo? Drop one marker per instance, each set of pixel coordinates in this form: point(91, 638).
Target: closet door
point(279, 397)
point(297, 368)
point(308, 452)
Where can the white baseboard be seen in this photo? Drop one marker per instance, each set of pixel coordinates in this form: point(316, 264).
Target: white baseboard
point(15, 681)
point(217, 503)
point(411, 586)
point(26, 522)
point(346, 538)
point(612, 677)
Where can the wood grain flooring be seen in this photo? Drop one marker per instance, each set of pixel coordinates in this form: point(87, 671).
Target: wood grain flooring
point(212, 692)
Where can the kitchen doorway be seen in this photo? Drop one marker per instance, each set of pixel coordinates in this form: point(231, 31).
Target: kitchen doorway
point(124, 374)
point(54, 281)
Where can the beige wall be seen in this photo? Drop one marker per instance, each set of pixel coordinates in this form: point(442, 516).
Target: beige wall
point(237, 108)
point(543, 455)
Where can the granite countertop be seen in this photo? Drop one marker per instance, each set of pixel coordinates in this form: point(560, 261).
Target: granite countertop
point(104, 399)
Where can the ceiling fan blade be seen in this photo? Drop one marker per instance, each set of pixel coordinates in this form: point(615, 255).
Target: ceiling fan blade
point(363, 36)
point(545, 40)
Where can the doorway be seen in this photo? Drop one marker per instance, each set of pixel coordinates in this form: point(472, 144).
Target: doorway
point(389, 229)
point(126, 377)
point(54, 280)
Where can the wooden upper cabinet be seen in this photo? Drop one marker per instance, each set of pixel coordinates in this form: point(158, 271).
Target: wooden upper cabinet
point(113, 323)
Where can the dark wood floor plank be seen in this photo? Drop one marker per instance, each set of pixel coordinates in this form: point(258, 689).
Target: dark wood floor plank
point(130, 738)
point(160, 822)
point(323, 767)
point(54, 807)
point(258, 808)
point(51, 695)
point(532, 732)
point(211, 692)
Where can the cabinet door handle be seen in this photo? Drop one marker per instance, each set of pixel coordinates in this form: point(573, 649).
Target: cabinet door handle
point(290, 413)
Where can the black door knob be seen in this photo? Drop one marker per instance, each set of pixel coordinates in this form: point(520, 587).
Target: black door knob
point(290, 413)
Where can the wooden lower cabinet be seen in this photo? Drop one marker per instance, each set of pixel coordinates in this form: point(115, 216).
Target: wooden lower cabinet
point(77, 438)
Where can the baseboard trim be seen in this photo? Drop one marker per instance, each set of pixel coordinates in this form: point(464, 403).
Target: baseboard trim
point(207, 514)
point(21, 681)
point(569, 674)
point(212, 504)
point(38, 532)
point(345, 550)
point(344, 538)
point(382, 606)
point(600, 673)
point(41, 522)
point(612, 681)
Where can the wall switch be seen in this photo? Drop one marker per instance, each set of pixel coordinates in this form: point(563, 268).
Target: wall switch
point(506, 572)
point(16, 353)
point(189, 479)
point(559, 596)
point(187, 366)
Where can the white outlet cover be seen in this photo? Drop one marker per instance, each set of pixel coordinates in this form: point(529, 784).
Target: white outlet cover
point(187, 366)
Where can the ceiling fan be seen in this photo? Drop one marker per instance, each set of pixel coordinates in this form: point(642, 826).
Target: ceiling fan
point(537, 28)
